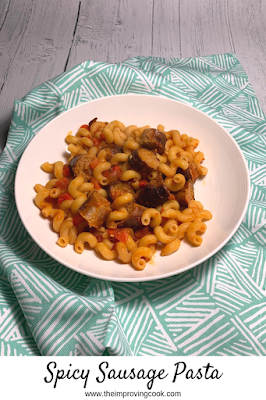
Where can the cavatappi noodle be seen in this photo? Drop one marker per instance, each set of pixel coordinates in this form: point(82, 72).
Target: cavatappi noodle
point(123, 190)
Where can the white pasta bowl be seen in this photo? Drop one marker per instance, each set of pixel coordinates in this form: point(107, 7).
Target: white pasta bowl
point(224, 190)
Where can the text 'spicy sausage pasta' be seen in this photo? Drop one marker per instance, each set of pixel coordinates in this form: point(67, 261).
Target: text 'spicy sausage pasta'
point(123, 190)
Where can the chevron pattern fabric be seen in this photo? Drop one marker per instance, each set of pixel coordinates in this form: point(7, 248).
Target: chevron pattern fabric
point(216, 309)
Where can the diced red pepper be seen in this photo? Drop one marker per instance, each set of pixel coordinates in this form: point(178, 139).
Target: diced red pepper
point(94, 163)
point(63, 197)
point(102, 136)
point(143, 183)
point(140, 233)
point(62, 183)
point(66, 170)
point(85, 126)
point(77, 219)
point(97, 185)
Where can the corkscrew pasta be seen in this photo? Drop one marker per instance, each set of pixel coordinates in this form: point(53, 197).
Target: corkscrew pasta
point(123, 190)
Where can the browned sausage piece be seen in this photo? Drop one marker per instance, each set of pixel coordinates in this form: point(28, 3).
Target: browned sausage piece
point(153, 139)
point(191, 173)
point(111, 150)
point(95, 210)
point(73, 163)
point(133, 220)
point(117, 188)
point(154, 194)
point(92, 121)
point(185, 195)
point(144, 161)
point(80, 165)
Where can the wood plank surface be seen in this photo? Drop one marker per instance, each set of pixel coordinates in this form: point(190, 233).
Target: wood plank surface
point(40, 39)
point(248, 27)
point(35, 39)
point(4, 6)
point(204, 28)
point(166, 29)
point(112, 31)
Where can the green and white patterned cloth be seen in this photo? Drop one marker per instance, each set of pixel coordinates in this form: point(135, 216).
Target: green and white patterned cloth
point(217, 308)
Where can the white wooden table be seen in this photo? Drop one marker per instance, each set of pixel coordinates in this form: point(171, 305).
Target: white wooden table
point(40, 39)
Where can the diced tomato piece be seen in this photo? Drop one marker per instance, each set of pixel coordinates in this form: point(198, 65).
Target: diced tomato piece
point(140, 233)
point(94, 163)
point(97, 141)
point(66, 170)
point(114, 174)
point(162, 210)
point(63, 197)
point(102, 136)
point(117, 171)
point(112, 237)
point(119, 234)
point(77, 219)
point(97, 185)
point(171, 196)
point(62, 183)
point(143, 182)
point(122, 235)
point(85, 126)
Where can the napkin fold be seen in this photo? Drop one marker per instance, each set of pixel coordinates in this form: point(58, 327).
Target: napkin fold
point(217, 308)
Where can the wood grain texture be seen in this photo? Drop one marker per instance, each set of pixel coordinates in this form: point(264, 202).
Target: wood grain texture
point(166, 33)
point(112, 31)
point(40, 39)
point(13, 26)
point(248, 27)
point(35, 41)
point(204, 28)
point(4, 7)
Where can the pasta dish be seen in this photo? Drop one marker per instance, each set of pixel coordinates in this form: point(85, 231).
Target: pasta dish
point(125, 191)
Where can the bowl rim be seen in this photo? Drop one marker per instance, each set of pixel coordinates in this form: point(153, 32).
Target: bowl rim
point(136, 279)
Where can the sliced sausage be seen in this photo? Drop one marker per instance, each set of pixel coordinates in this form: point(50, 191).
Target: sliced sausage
point(92, 121)
point(95, 210)
point(185, 195)
point(111, 150)
point(133, 220)
point(80, 165)
point(154, 194)
point(116, 189)
point(191, 173)
point(143, 161)
point(153, 139)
